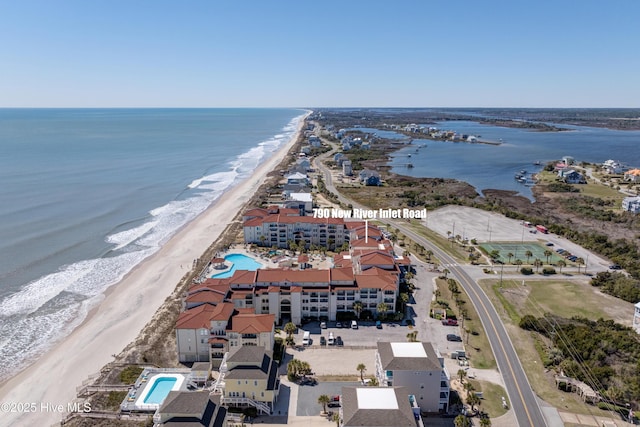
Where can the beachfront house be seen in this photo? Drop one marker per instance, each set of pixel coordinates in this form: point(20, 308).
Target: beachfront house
point(302, 202)
point(417, 367)
point(196, 408)
point(250, 379)
point(314, 141)
point(378, 407)
point(631, 204)
point(613, 167)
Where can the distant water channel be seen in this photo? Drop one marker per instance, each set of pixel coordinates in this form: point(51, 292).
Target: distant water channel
point(494, 166)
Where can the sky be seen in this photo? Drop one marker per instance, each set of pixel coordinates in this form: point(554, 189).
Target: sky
point(346, 53)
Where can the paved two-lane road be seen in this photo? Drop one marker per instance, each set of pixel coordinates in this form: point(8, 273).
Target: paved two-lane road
point(523, 399)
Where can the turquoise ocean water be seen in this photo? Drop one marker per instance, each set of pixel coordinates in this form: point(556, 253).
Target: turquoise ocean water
point(87, 194)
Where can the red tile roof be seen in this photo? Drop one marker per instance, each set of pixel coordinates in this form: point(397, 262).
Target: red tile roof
point(292, 276)
point(246, 323)
point(374, 281)
point(341, 274)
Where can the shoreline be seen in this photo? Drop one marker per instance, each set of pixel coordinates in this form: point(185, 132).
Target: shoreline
point(128, 306)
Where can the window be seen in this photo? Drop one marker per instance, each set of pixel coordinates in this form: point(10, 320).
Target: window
point(255, 383)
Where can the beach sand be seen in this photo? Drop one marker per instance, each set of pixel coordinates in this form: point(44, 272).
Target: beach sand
point(126, 309)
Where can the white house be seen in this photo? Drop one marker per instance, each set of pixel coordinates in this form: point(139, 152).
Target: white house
point(636, 318)
point(417, 367)
point(378, 407)
point(631, 204)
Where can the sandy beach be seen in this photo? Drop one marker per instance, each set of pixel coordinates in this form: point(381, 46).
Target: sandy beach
point(126, 309)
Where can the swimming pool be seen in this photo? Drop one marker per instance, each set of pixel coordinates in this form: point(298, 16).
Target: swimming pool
point(239, 262)
point(159, 387)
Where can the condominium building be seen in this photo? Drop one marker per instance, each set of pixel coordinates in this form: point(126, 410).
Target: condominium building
point(417, 367)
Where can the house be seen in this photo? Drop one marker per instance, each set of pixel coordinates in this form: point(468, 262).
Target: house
point(297, 179)
point(302, 202)
point(339, 158)
point(314, 141)
point(191, 408)
point(378, 407)
point(346, 168)
point(369, 177)
point(366, 145)
point(417, 367)
point(636, 317)
point(613, 167)
point(571, 176)
point(568, 160)
point(631, 204)
point(250, 378)
point(632, 175)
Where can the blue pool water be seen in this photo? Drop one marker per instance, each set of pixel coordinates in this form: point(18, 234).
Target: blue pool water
point(238, 261)
point(160, 389)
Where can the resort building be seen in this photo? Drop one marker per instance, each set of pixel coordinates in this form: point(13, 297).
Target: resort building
point(417, 367)
point(379, 407)
point(207, 332)
point(274, 227)
point(631, 204)
point(250, 378)
point(199, 408)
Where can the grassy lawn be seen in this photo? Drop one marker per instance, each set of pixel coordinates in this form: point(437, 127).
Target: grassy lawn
point(455, 250)
point(564, 298)
point(477, 346)
point(491, 397)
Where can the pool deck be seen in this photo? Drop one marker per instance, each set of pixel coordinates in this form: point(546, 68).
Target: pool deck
point(134, 401)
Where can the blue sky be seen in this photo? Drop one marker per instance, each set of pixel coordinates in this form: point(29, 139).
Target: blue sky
point(234, 53)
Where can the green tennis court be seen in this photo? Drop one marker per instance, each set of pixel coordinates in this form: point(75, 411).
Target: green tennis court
point(519, 251)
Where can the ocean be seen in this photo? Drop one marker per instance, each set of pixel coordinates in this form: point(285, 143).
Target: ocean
point(87, 194)
point(494, 166)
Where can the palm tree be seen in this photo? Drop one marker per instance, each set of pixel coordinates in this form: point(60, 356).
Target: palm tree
point(462, 374)
point(494, 254)
point(537, 263)
point(412, 336)
point(579, 261)
point(518, 263)
point(561, 264)
point(361, 367)
point(461, 421)
point(382, 308)
point(336, 417)
point(510, 255)
point(453, 287)
point(528, 254)
point(404, 298)
point(324, 399)
point(357, 307)
point(473, 400)
point(429, 254)
point(548, 253)
point(445, 272)
point(290, 329)
point(485, 422)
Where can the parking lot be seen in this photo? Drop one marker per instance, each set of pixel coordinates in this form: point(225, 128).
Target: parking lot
point(308, 396)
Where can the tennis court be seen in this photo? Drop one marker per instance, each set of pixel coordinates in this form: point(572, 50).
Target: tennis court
point(519, 251)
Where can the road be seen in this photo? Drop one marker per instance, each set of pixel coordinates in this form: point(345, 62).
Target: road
point(522, 398)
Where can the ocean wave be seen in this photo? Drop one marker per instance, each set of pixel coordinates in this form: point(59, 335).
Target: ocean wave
point(126, 237)
point(49, 308)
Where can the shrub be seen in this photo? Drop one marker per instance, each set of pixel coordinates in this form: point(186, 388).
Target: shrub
point(526, 271)
point(130, 374)
point(548, 270)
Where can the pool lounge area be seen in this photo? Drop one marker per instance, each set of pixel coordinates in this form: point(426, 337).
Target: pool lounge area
point(238, 262)
point(152, 387)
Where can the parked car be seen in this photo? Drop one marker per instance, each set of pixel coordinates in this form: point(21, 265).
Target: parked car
point(354, 324)
point(615, 267)
point(450, 322)
point(572, 258)
point(323, 341)
point(335, 398)
point(333, 404)
point(548, 244)
point(323, 325)
point(454, 337)
point(378, 324)
point(339, 342)
point(338, 325)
